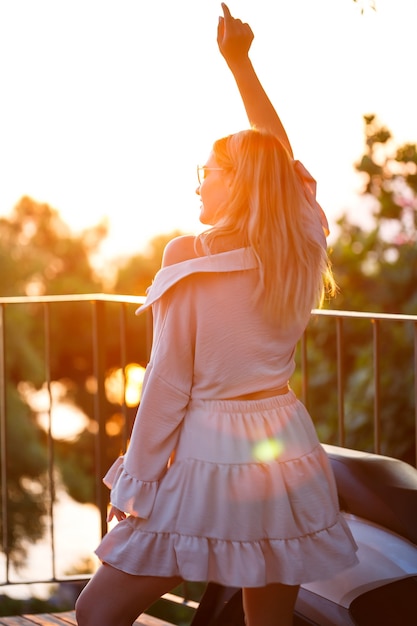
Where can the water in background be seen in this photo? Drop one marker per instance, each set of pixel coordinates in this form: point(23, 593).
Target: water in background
point(77, 534)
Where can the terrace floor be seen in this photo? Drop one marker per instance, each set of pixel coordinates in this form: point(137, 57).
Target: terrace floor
point(67, 619)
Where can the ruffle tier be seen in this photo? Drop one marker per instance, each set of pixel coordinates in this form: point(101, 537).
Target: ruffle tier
point(249, 500)
point(130, 494)
point(232, 563)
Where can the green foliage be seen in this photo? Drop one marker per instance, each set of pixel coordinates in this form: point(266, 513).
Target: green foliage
point(27, 487)
point(23, 345)
point(179, 614)
point(77, 467)
point(40, 255)
point(376, 271)
point(138, 272)
point(378, 268)
point(33, 605)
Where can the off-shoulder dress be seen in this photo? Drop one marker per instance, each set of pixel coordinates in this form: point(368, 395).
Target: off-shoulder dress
point(239, 492)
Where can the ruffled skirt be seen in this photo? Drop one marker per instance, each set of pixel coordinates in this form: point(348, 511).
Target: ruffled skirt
point(249, 499)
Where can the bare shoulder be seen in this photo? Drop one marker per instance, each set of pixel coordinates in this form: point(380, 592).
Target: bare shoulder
point(179, 249)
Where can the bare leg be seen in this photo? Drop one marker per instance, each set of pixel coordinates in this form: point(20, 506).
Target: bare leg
point(116, 598)
point(272, 605)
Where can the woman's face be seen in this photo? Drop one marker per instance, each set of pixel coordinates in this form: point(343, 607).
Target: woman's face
point(214, 190)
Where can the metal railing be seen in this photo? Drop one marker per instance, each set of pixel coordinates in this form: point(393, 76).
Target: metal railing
point(376, 321)
point(99, 330)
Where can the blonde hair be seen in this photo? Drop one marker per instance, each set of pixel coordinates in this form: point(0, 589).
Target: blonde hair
point(269, 211)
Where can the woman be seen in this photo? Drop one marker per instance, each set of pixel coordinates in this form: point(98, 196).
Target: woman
point(224, 479)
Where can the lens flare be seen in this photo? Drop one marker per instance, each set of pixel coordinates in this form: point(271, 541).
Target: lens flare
point(268, 450)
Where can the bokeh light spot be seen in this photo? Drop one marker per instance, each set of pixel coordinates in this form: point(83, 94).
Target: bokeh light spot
point(125, 385)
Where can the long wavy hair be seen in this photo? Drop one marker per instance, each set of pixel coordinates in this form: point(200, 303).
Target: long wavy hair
point(270, 211)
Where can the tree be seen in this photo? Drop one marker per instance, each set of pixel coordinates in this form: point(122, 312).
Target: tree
point(28, 494)
point(382, 261)
point(38, 255)
point(135, 275)
point(376, 271)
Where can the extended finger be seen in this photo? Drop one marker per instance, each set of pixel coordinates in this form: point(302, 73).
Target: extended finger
point(226, 12)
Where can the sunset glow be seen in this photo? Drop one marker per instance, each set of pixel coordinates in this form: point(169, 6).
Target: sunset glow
point(107, 107)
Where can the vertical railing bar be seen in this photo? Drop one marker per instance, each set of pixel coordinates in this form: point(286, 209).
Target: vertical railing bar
point(51, 448)
point(99, 404)
point(415, 389)
point(377, 387)
point(123, 359)
point(340, 380)
point(304, 370)
point(3, 442)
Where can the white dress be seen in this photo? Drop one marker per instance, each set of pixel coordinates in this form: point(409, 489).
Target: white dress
point(236, 492)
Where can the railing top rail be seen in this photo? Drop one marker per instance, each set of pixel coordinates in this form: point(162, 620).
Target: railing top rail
point(366, 315)
point(79, 297)
point(107, 297)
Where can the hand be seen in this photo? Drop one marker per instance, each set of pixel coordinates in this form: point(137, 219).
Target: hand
point(117, 513)
point(234, 38)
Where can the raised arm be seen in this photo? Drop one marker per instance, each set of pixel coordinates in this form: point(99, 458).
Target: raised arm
point(234, 39)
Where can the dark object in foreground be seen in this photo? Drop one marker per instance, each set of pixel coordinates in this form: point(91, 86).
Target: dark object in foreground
point(378, 496)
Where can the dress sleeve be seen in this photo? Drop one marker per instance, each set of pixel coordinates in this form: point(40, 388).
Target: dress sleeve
point(134, 478)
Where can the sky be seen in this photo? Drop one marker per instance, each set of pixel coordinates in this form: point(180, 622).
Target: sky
point(107, 106)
